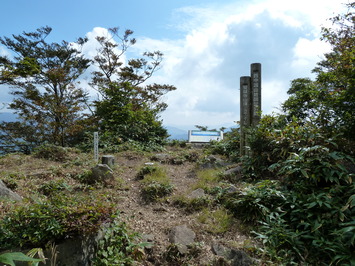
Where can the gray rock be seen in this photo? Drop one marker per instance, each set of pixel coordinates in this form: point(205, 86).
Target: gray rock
point(182, 236)
point(161, 157)
point(5, 192)
point(197, 193)
point(234, 256)
point(102, 173)
point(213, 161)
point(108, 159)
point(231, 189)
point(234, 174)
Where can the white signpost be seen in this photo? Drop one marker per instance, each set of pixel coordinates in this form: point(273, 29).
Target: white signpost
point(96, 146)
point(204, 136)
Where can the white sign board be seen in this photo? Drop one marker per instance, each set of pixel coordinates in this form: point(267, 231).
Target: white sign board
point(204, 136)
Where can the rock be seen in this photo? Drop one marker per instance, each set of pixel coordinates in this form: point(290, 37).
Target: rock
point(161, 157)
point(182, 236)
point(102, 173)
point(108, 159)
point(197, 193)
point(8, 193)
point(212, 161)
point(234, 256)
point(234, 174)
point(231, 189)
point(240, 258)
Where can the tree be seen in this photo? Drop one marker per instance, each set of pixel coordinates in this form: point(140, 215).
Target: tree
point(329, 101)
point(47, 95)
point(129, 109)
point(336, 73)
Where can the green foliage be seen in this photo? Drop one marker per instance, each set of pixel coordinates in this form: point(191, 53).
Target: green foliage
point(9, 258)
point(35, 224)
point(192, 204)
point(51, 152)
point(228, 147)
point(156, 185)
point(207, 179)
point(48, 99)
point(253, 203)
point(147, 170)
point(336, 71)
point(128, 110)
point(118, 246)
point(54, 186)
point(305, 215)
point(216, 221)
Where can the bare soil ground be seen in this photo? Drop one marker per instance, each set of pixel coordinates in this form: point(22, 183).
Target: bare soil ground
point(152, 219)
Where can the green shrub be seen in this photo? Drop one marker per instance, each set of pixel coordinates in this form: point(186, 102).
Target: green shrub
point(307, 215)
point(54, 186)
point(118, 246)
point(228, 147)
point(156, 185)
point(215, 221)
point(146, 170)
point(35, 224)
point(192, 205)
point(51, 152)
point(254, 203)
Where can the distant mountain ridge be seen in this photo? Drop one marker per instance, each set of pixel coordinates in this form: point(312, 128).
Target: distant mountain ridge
point(177, 133)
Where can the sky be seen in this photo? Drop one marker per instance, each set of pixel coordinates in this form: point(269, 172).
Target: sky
point(207, 45)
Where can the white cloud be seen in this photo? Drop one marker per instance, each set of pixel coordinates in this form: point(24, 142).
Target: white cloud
point(220, 44)
point(4, 52)
point(308, 52)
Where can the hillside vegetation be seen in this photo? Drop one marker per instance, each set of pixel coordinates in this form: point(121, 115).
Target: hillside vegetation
point(289, 201)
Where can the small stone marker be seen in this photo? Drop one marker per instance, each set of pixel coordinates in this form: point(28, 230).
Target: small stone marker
point(108, 159)
point(102, 173)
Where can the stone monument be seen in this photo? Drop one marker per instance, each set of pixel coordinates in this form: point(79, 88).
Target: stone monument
point(250, 103)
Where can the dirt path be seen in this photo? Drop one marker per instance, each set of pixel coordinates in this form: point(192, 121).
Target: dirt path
point(156, 219)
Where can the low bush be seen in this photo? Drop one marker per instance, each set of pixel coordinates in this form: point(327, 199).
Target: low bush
point(304, 216)
point(156, 185)
point(118, 246)
point(51, 152)
point(35, 224)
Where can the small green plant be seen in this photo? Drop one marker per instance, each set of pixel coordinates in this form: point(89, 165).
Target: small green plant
point(207, 179)
point(118, 246)
point(216, 221)
point(85, 177)
point(191, 205)
point(156, 185)
point(54, 186)
point(146, 170)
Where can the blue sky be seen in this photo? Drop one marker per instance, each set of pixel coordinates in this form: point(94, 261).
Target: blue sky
point(208, 45)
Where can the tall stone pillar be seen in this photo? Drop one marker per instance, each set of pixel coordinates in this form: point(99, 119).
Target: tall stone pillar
point(245, 110)
point(255, 73)
point(250, 103)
